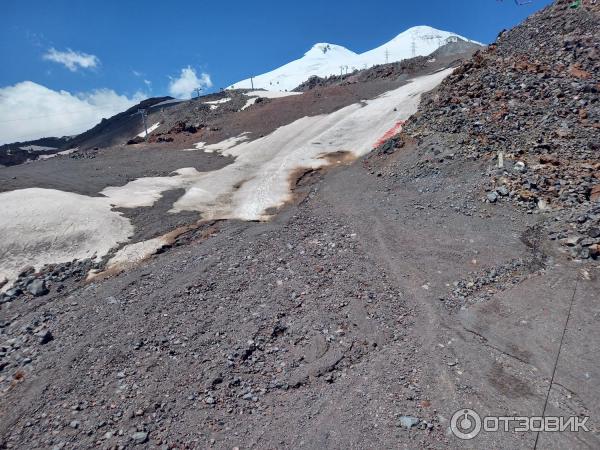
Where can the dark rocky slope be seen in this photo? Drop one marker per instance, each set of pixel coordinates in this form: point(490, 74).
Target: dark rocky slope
point(332, 326)
point(528, 106)
point(19, 152)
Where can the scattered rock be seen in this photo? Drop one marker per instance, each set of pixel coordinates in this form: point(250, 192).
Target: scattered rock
point(136, 140)
point(408, 421)
point(573, 240)
point(139, 437)
point(594, 232)
point(37, 288)
point(519, 167)
point(503, 191)
point(492, 197)
point(44, 337)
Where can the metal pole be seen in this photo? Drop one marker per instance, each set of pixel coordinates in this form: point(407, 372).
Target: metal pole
point(142, 112)
point(144, 115)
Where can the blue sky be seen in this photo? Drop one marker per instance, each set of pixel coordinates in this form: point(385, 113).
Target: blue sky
point(133, 41)
point(230, 40)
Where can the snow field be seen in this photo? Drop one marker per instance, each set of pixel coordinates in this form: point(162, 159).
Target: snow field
point(43, 226)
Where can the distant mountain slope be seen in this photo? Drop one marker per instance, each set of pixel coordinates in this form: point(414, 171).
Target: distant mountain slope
point(19, 152)
point(114, 130)
point(325, 59)
point(119, 128)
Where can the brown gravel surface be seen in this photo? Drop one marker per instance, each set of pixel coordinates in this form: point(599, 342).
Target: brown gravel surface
point(320, 329)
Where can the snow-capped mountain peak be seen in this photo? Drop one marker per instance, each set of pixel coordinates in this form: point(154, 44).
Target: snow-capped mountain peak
point(416, 41)
point(325, 59)
point(328, 50)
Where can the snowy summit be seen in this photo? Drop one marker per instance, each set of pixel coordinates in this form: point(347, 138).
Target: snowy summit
point(325, 59)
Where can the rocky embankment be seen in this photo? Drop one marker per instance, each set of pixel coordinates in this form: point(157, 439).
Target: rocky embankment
point(528, 104)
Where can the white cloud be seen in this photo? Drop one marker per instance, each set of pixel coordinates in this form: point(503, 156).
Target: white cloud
point(29, 110)
point(72, 60)
point(183, 86)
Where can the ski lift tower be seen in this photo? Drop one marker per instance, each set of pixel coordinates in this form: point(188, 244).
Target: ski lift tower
point(142, 112)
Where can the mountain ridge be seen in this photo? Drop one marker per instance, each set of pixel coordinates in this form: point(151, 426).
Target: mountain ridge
point(324, 59)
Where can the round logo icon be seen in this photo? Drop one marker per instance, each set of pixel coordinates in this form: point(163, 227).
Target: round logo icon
point(465, 424)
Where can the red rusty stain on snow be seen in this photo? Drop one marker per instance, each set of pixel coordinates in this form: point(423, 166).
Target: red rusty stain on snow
point(390, 133)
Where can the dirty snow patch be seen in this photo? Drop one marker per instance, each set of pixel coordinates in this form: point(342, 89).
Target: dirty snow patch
point(214, 104)
point(44, 226)
point(223, 145)
point(218, 102)
point(259, 179)
point(132, 254)
point(150, 130)
point(146, 191)
point(37, 148)
point(270, 94)
point(167, 102)
point(254, 95)
point(47, 226)
point(63, 153)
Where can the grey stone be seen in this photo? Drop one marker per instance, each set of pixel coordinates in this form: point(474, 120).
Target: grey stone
point(594, 232)
point(492, 197)
point(139, 437)
point(408, 421)
point(519, 167)
point(503, 191)
point(45, 336)
point(573, 240)
point(586, 242)
point(13, 292)
point(37, 288)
